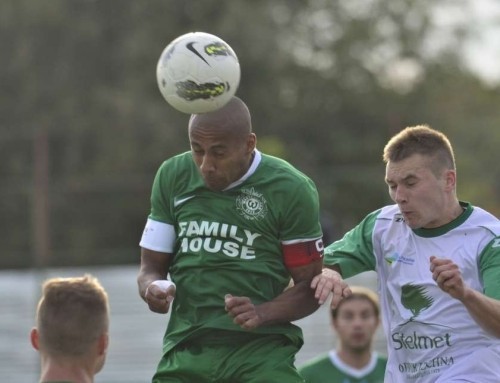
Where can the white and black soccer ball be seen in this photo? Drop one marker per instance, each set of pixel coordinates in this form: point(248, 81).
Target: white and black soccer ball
point(198, 72)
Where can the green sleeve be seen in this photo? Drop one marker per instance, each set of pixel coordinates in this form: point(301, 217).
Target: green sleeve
point(354, 252)
point(489, 268)
point(301, 212)
point(160, 204)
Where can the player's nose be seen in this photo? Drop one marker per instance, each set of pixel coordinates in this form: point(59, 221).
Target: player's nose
point(207, 165)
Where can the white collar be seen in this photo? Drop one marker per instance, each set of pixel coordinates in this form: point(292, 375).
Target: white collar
point(354, 372)
point(251, 170)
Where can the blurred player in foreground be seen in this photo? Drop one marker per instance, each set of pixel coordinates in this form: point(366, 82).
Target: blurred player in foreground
point(438, 265)
point(231, 226)
point(355, 322)
point(71, 330)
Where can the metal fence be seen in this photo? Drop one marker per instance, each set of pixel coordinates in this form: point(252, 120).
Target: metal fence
point(135, 334)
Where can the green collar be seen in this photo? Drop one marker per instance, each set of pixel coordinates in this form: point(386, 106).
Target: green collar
point(436, 232)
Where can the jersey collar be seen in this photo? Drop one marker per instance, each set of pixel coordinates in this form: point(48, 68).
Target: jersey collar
point(251, 170)
point(436, 232)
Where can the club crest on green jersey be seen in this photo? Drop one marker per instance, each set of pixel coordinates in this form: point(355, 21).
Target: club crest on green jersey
point(251, 204)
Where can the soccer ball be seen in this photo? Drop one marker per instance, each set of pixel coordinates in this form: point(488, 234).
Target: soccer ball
point(198, 73)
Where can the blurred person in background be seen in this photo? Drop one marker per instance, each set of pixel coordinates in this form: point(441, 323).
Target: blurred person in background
point(71, 332)
point(231, 226)
point(354, 322)
point(438, 264)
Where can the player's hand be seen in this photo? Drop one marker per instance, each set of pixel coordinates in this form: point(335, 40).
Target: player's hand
point(158, 296)
point(243, 311)
point(448, 277)
point(330, 281)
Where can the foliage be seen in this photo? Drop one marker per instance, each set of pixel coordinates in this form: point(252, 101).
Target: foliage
point(415, 299)
point(327, 83)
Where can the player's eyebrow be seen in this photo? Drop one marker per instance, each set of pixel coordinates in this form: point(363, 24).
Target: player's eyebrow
point(407, 178)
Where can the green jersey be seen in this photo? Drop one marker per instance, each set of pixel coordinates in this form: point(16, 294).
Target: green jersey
point(430, 335)
point(229, 242)
point(330, 368)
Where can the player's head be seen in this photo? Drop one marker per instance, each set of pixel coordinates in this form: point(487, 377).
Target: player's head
point(421, 175)
point(421, 140)
point(222, 143)
point(356, 319)
point(72, 321)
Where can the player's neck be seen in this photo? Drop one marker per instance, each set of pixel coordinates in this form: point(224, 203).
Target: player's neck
point(55, 371)
point(450, 212)
point(355, 358)
point(456, 210)
point(252, 157)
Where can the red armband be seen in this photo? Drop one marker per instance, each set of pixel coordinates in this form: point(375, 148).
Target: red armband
point(302, 253)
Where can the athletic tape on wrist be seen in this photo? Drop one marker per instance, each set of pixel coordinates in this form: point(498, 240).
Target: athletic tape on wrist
point(162, 284)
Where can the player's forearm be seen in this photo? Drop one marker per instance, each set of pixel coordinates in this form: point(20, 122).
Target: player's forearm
point(294, 303)
point(144, 279)
point(154, 266)
point(147, 275)
point(484, 310)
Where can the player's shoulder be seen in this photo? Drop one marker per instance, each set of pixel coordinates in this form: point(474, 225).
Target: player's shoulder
point(388, 213)
point(278, 167)
point(313, 363)
point(276, 163)
point(180, 163)
point(381, 359)
point(483, 219)
point(178, 159)
point(387, 219)
point(178, 174)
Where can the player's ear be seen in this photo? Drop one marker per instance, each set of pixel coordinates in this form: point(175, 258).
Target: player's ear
point(451, 179)
point(103, 343)
point(34, 338)
point(333, 325)
point(251, 142)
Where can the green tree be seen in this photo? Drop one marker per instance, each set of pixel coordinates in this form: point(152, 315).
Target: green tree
point(415, 299)
point(327, 82)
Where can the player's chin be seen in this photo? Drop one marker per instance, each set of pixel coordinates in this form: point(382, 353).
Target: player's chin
point(412, 222)
point(359, 345)
point(359, 340)
point(214, 184)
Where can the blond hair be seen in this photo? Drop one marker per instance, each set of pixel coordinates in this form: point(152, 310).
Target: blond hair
point(359, 293)
point(423, 140)
point(71, 315)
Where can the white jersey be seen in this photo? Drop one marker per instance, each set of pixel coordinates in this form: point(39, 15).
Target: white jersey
point(431, 337)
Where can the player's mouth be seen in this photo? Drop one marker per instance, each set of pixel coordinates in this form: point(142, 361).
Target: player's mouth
point(407, 214)
point(358, 337)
